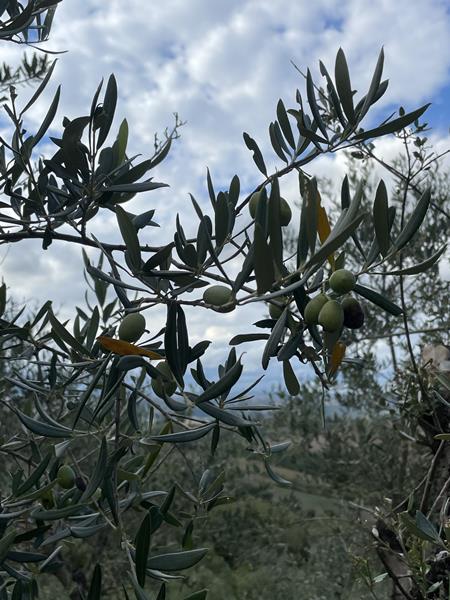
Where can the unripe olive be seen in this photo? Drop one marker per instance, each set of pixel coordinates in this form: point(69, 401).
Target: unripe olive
point(66, 477)
point(313, 308)
point(353, 313)
point(132, 327)
point(342, 281)
point(275, 310)
point(217, 295)
point(47, 499)
point(159, 385)
point(285, 209)
point(253, 204)
point(331, 316)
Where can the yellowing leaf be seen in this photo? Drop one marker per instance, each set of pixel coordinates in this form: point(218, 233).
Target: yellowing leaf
point(123, 348)
point(337, 356)
point(324, 229)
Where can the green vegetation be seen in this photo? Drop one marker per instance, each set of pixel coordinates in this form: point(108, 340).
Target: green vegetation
point(123, 478)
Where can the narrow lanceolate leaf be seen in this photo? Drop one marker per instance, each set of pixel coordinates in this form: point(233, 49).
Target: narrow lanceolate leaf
point(324, 230)
point(302, 240)
point(95, 589)
point(6, 542)
point(378, 299)
point(61, 332)
point(160, 257)
point(374, 87)
point(234, 190)
point(123, 348)
point(274, 339)
point(57, 513)
point(121, 143)
point(248, 337)
point(427, 528)
point(48, 118)
point(98, 474)
point(290, 379)
point(224, 384)
point(313, 104)
point(345, 193)
point(44, 429)
point(264, 271)
point(129, 236)
point(276, 145)
point(35, 476)
point(332, 94)
point(343, 86)
point(39, 90)
point(277, 478)
point(283, 120)
point(135, 188)
point(182, 437)
point(337, 356)
point(415, 220)
point(392, 126)
point(381, 218)
point(139, 591)
point(245, 272)
point(182, 339)
point(312, 205)
point(225, 416)
point(142, 548)
point(422, 266)
point(171, 343)
point(275, 233)
point(334, 241)
point(212, 195)
point(257, 156)
point(221, 218)
point(176, 561)
point(109, 108)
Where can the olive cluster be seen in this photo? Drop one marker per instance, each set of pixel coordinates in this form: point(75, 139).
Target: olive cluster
point(333, 314)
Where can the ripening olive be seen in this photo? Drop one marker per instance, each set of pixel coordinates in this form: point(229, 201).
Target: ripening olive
point(353, 313)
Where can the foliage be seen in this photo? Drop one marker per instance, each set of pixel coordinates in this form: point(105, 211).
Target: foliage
point(87, 403)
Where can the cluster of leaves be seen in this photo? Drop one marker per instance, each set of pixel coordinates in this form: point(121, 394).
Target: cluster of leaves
point(29, 24)
point(83, 394)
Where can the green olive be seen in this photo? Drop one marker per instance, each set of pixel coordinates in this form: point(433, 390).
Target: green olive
point(132, 327)
point(285, 209)
point(331, 316)
point(275, 310)
point(66, 477)
point(217, 295)
point(47, 500)
point(342, 281)
point(313, 308)
point(164, 386)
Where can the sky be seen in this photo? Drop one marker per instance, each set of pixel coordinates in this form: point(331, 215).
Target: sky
point(222, 66)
